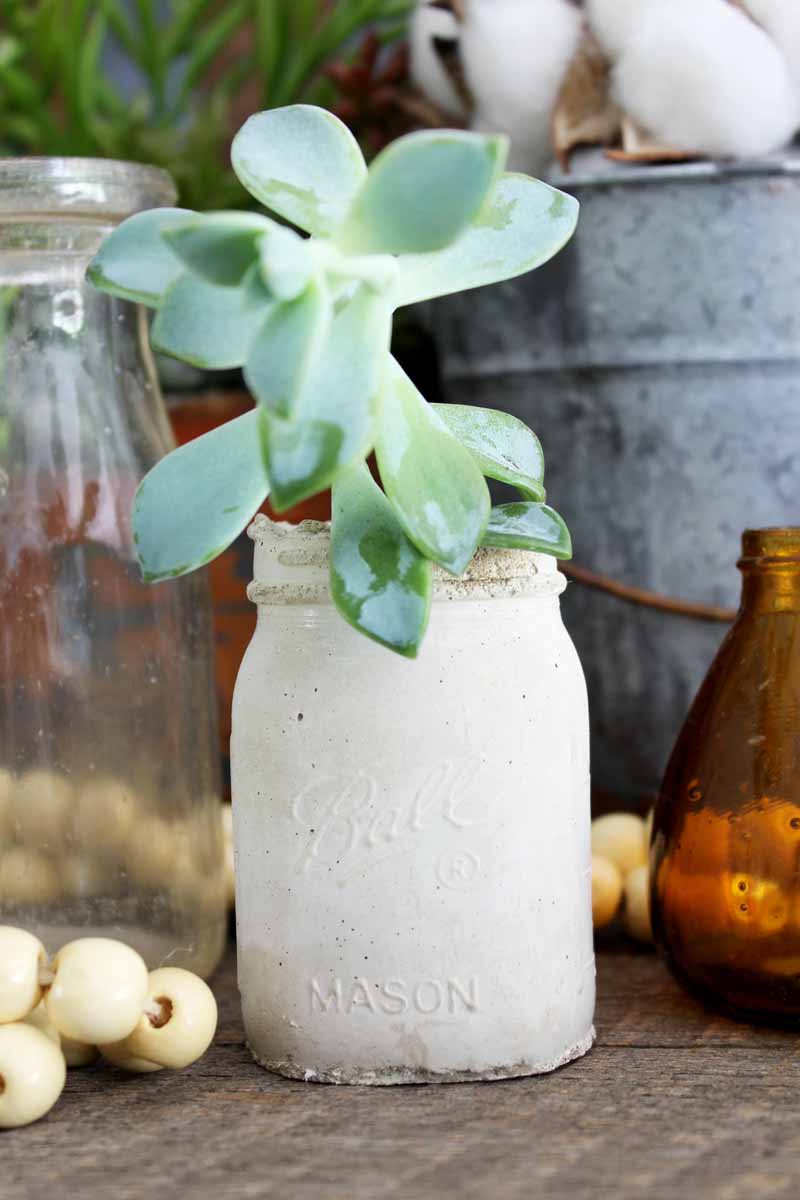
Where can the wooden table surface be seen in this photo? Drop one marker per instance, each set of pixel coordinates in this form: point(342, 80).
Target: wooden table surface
point(672, 1103)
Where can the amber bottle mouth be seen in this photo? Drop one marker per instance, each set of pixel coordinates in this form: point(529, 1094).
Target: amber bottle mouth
point(764, 547)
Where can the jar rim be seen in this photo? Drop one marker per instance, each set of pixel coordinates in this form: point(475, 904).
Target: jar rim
point(291, 566)
point(81, 187)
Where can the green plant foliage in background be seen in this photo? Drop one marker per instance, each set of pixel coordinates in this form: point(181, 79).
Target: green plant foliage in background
point(151, 81)
point(309, 319)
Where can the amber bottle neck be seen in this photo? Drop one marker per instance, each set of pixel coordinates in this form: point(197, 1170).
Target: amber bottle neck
point(770, 565)
point(772, 589)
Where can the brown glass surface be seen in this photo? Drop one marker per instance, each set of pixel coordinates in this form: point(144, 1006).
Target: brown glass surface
point(725, 855)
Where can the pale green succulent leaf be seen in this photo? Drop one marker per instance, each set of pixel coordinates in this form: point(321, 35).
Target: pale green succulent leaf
point(378, 271)
point(333, 423)
point(286, 347)
point(503, 446)
point(134, 262)
point(302, 163)
point(422, 192)
point(206, 325)
point(198, 499)
point(220, 247)
point(380, 583)
point(255, 291)
point(434, 484)
point(524, 224)
point(287, 264)
point(528, 526)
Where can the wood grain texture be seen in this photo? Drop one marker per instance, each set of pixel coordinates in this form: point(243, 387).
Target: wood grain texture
point(671, 1103)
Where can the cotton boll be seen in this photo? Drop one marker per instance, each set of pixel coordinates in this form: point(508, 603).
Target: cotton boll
point(614, 21)
point(700, 76)
point(515, 54)
point(781, 20)
point(427, 69)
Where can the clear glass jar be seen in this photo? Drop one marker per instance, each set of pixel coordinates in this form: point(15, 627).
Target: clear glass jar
point(109, 774)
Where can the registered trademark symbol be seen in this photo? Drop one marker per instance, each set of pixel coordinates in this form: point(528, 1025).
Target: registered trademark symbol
point(458, 871)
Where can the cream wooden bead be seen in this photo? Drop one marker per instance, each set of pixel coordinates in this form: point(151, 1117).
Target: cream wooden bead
point(606, 890)
point(39, 1019)
point(27, 877)
point(179, 1022)
point(117, 1054)
point(87, 876)
point(185, 878)
point(620, 837)
point(209, 896)
point(76, 1054)
point(8, 786)
point(230, 876)
point(227, 831)
point(205, 837)
point(43, 805)
point(103, 814)
point(150, 853)
point(648, 828)
point(98, 990)
point(22, 956)
point(637, 905)
point(32, 1074)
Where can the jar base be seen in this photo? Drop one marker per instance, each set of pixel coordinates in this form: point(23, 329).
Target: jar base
point(734, 1001)
point(403, 1076)
point(200, 954)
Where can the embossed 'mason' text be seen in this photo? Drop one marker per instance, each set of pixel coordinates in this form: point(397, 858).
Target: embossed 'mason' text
point(394, 996)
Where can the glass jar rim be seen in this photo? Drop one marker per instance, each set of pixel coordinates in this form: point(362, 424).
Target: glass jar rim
point(102, 188)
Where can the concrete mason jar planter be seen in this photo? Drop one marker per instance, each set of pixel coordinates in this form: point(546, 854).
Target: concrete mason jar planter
point(412, 838)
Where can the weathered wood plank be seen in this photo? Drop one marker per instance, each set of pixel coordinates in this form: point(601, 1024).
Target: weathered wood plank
point(670, 1103)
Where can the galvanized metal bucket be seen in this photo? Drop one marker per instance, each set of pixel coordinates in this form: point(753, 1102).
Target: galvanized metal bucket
point(658, 358)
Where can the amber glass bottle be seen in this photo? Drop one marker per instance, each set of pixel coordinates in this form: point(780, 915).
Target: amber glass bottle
point(725, 855)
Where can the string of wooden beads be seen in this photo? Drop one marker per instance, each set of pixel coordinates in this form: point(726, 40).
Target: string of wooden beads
point(620, 875)
point(96, 997)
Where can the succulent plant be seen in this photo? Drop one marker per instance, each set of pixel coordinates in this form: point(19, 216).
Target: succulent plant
point(309, 319)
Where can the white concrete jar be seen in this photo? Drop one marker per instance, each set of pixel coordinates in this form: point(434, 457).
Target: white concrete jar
point(412, 837)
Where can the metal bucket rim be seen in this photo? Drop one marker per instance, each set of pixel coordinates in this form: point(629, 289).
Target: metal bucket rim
point(617, 175)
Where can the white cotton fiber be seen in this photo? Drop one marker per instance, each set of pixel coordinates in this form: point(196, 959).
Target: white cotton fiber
point(427, 69)
point(701, 76)
point(613, 21)
point(515, 55)
point(781, 20)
